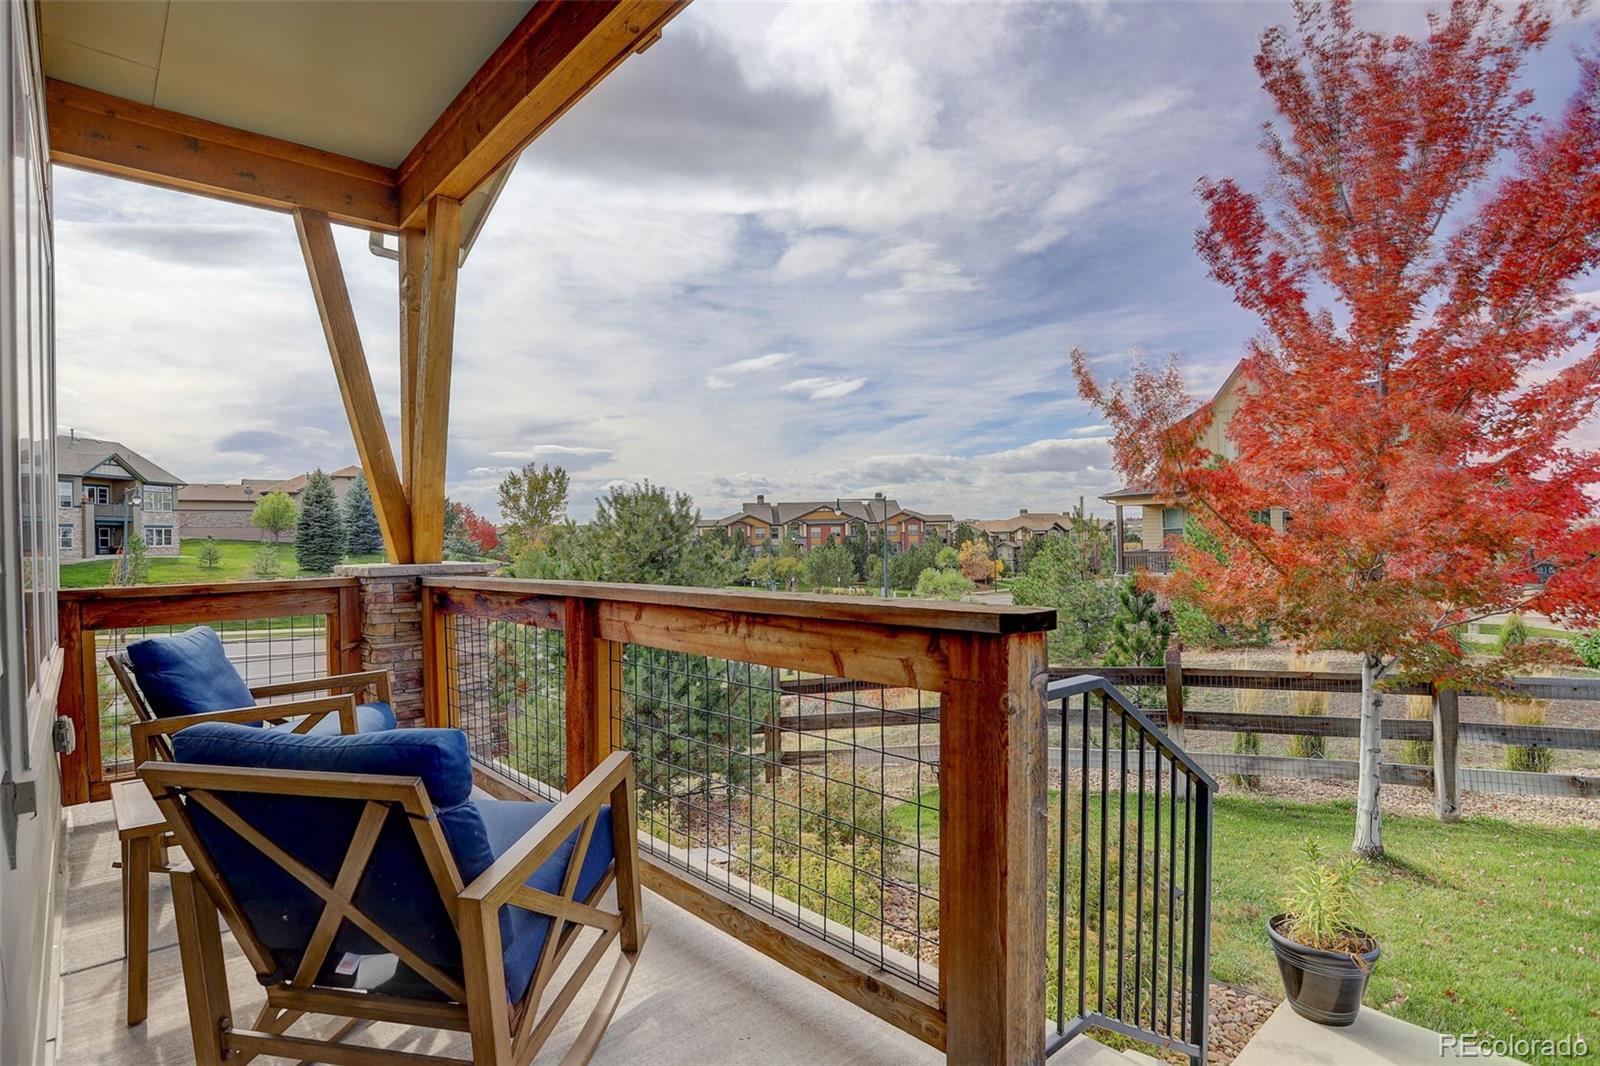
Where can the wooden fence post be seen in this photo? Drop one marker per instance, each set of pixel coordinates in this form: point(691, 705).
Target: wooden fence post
point(1446, 727)
point(993, 852)
point(1173, 663)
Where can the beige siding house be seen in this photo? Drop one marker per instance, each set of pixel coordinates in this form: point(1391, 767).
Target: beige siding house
point(106, 491)
point(1161, 520)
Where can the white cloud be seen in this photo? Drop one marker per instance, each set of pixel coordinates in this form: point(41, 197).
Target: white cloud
point(757, 362)
point(813, 255)
point(552, 451)
point(825, 388)
point(719, 380)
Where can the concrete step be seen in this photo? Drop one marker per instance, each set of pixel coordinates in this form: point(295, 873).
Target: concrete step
point(1086, 1051)
point(1141, 1058)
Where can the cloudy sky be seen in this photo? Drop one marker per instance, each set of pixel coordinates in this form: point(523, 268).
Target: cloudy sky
point(804, 250)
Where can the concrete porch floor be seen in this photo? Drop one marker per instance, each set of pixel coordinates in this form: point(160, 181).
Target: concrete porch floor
point(698, 997)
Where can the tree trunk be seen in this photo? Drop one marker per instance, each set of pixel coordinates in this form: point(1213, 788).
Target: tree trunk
point(1369, 824)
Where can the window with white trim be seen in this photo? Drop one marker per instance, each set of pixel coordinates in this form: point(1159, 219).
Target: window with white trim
point(158, 536)
point(64, 494)
point(64, 535)
point(158, 497)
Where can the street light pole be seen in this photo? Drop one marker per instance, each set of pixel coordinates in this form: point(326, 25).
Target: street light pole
point(883, 535)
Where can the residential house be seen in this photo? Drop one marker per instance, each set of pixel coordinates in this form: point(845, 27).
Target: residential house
point(810, 524)
point(1162, 520)
point(223, 509)
point(1008, 536)
point(106, 491)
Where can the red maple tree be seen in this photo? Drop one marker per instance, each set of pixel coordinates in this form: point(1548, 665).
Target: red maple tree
point(480, 530)
point(476, 528)
point(1422, 393)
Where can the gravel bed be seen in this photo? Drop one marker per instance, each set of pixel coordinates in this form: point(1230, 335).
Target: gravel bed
point(1232, 1018)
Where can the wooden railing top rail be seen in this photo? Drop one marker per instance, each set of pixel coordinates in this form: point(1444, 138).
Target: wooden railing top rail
point(993, 619)
point(205, 588)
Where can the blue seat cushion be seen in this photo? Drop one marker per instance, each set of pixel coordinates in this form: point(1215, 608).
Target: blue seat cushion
point(397, 891)
point(374, 717)
point(522, 932)
point(187, 673)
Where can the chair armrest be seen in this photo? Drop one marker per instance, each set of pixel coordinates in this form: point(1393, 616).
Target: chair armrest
point(496, 885)
point(337, 683)
point(146, 735)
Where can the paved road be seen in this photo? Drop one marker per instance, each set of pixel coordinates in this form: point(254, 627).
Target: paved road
point(277, 656)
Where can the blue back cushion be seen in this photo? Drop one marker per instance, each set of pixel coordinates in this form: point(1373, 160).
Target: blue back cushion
point(187, 673)
point(397, 891)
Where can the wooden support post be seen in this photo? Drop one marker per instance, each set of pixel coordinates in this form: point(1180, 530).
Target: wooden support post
point(1120, 533)
point(1446, 728)
point(592, 680)
point(355, 381)
point(1173, 666)
point(73, 701)
point(993, 865)
point(442, 253)
point(412, 260)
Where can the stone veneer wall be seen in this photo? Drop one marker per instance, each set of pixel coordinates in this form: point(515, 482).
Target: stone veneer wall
point(391, 623)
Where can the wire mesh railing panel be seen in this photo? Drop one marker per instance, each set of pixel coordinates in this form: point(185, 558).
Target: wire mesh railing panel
point(263, 650)
point(1128, 882)
point(812, 798)
point(506, 686)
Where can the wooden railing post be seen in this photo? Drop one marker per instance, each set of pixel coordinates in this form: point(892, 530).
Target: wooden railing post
point(436, 641)
point(1446, 728)
point(344, 633)
point(992, 881)
point(590, 689)
point(73, 700)
point(1173, 664)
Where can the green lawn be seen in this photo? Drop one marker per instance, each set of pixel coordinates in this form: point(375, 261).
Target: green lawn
point(1485, 926)
point(1492, 629)
point(237, 559)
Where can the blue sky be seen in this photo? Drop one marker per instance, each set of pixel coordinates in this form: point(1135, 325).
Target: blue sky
point(805, 250)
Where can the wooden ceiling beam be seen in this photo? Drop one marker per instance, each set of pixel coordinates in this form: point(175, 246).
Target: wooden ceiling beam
point(111, 135)
point(557, 53)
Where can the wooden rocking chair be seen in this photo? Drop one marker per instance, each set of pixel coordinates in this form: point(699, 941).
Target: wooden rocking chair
point(363, 882)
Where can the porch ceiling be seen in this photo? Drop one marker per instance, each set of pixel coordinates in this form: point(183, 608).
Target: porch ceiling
point(361, 109)
point(349, 78)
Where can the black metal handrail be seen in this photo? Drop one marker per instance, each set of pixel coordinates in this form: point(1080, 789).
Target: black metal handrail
point(1141, 971)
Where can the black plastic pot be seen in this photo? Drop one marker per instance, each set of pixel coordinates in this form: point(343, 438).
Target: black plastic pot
point(1325, 986)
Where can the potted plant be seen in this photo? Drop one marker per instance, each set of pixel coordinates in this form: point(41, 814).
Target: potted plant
point(1323, 953)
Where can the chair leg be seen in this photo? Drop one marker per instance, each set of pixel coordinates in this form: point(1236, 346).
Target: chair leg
point(136, 925)
point(205, 980)
point(488, 1015)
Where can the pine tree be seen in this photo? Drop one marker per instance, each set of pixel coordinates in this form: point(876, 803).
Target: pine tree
point(362, 535)
point(1139, 634)
point(210, 554)
point(319, 534)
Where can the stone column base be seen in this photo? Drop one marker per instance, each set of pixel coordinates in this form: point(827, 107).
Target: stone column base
point(391, 623)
